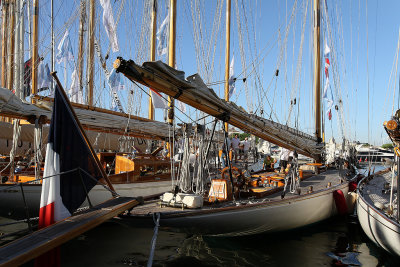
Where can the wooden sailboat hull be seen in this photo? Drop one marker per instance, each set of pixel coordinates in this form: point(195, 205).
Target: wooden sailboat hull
point(382, 230)
point(271, 215)
point(12, 203)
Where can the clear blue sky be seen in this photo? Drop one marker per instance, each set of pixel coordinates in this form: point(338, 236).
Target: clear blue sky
point(265, 36)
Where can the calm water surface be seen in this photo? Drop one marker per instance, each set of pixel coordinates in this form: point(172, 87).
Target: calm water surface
point(335, 242)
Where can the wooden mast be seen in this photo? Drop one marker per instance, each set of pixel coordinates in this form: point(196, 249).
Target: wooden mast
point(227, 52)
point(81, 44)
point(171, 62)
point(317, 73)
point(4, 44)
point(90, 68)
point(153, 50)
point(171, 53)
point(35, 59)
point(317, 70)
point(11, 36)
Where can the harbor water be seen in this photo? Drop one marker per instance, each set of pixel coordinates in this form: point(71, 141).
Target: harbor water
point(339, 241)
point(336, 242)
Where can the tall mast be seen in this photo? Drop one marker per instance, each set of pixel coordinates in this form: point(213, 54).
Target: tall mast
point(153, 50)
point(81, 44)
point(171, 52)
point(16, 71)
point(317, 70)
point(90, 67)
point(21, 62)
point(227, 52)
point(171, 62)
point(52, 40)
point(4, 44)
point(35, 59)
point(11, 36)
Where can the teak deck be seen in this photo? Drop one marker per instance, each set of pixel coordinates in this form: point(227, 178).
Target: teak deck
point(29, 247)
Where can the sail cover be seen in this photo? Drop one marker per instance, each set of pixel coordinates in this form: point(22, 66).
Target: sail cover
point(90, 117)
point(193, 91)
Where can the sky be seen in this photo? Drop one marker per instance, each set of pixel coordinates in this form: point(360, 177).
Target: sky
point(266, 36)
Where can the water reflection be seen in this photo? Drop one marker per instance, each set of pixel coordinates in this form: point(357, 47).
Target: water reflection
point(338, 242)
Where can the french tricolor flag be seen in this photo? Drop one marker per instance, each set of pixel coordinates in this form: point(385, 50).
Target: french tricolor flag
point(70, 168)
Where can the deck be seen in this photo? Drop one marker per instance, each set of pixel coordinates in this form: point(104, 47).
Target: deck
point(318, 182)
point(31, 246)
point(374, 191)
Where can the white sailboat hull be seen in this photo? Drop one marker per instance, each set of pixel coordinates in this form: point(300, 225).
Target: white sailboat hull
point(12, 203)
point(272, 216)
point(378, 227)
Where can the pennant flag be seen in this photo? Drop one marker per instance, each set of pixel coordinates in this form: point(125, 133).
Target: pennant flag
point(76, 94)
point(158, 100)
point(64, 53)
point(231, 80)
point(115, 81)
point(109, 25)
point(63, 193)
point(44, 77)
point(329, 101)
point(27, 77)
point(162, 37)
point(181, 106)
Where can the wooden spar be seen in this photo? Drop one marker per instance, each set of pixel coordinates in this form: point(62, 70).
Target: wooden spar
point(153, 50)
point(82, 21)
point(317, 70)
point(96, 159)
point(227, 53)
point(35, 58)
point(11, 38)
point(171, 53)
point(90, 67)
point(4, 44)
point(151, 79)
point(171, 62)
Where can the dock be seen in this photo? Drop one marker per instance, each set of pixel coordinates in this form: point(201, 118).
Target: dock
point(35, 244)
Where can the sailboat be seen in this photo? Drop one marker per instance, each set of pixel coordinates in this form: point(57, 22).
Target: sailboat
point(115, 136)
point(378, 201)
point(227, 209)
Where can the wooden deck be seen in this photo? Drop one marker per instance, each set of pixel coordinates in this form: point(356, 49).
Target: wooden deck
point(318, 182)
point(31, 246)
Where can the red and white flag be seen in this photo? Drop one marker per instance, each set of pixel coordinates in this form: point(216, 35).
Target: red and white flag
point(158, 99)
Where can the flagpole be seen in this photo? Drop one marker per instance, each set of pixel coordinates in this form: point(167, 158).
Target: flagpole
point(99, 166)
point(153, 51)
point(227, 53)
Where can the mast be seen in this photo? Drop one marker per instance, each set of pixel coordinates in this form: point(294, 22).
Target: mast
point(4, 44)
point(153, 50)
point(171, 62)
point(171, 53)
point(227, 52)
point(52, 41)
point(81, 44)
point(35, 59)
point(90, 67)
point(21, 62)
point(11, 28)
point(317, 70)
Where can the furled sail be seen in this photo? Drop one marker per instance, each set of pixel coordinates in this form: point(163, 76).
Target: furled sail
point(194, 92)
point(92, 118)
